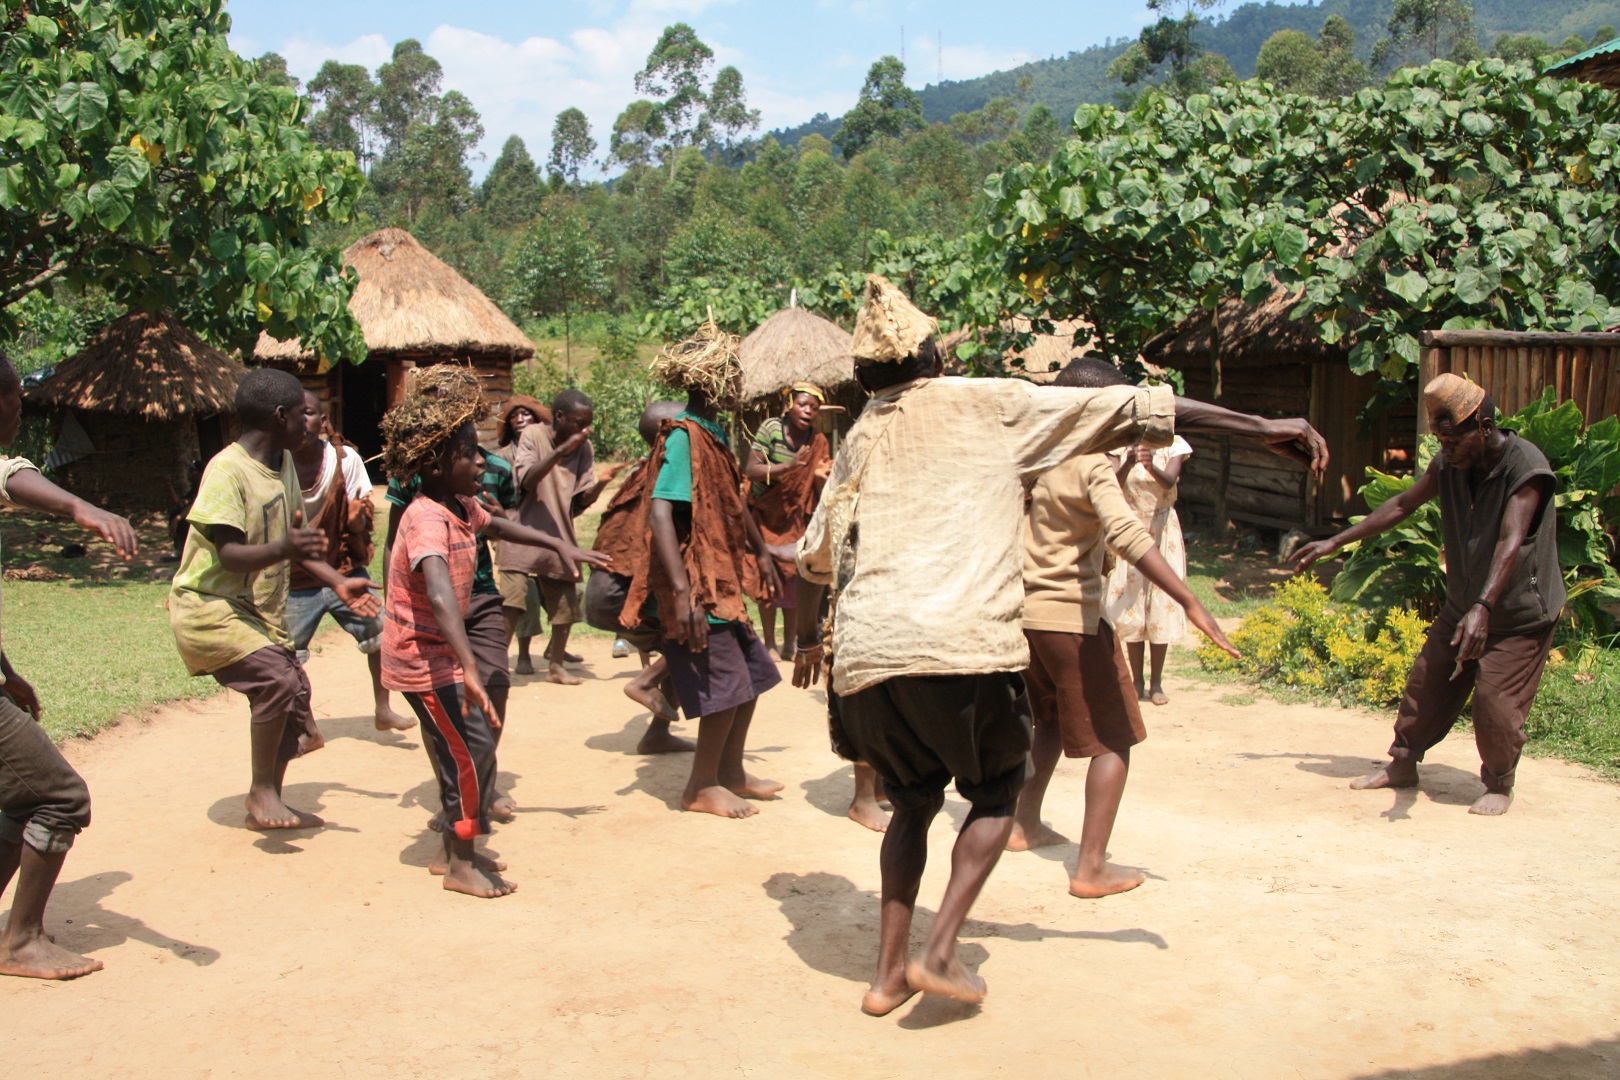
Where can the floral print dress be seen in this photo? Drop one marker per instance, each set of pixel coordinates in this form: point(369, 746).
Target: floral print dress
point(1138, 610)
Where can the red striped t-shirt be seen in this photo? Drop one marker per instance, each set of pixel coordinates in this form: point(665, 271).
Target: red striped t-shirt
point(415, 655)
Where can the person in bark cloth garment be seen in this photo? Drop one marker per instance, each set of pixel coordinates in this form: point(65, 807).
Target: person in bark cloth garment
point(920, 529)
point(705, 559)
point(787, 464)
point(1504, 590)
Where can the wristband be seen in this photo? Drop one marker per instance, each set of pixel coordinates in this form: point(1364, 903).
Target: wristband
point(1486, 604)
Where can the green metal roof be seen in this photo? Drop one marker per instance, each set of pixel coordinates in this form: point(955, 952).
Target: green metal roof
point(1608, 48)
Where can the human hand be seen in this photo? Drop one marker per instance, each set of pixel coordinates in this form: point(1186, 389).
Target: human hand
point(693, 620)
point(824, 470)
point(473, 693)
point(23, 693)
point(110, 527)
point(575, 441)
point(356, 595)
point(302, 543)
point(800, 458)
point(493, 508)
point(807, 665)
point(1200, 617)
point(588, 556)
point(1142, 455)
point(1469, 640)
point(1307, 554)
point(770, 579)
point(1297, 440)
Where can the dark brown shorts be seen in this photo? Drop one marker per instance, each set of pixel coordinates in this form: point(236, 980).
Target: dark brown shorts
point(733, 669)
point(486, 633)
point(1081, 683)
point(274, 685)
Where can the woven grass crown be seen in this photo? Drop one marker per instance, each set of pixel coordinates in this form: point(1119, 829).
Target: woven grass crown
point(890, 327)
point(707, 362)
point(444, 399)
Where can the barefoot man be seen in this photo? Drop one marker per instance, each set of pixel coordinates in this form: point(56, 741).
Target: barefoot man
point(919, 531)
point(1504, 590)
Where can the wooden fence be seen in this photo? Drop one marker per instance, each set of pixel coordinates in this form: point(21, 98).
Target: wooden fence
point(1516, 367)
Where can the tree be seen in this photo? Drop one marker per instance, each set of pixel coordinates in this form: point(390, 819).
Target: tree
point(726, 116)
point(1520, 47)
point(141, 156)
point(681, 111)
point(571, 144)
point(347, 99)
point(271, 69)
point(887, 107)
point(427, 165)
point(636, 134)
point(1341, 72)
point(674, 76)
point(406, 88)
point(1169, 41)
point(1290, 61)
point(510, 194)
point(557, 268)
point(1424, 30)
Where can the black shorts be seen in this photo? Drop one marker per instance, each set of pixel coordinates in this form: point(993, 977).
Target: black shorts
point(732, 670)
point(920, 731)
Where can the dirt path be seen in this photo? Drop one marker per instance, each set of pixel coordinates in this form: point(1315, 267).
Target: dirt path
point(1289, 927)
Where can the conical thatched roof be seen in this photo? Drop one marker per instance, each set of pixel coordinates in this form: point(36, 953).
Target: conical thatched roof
point(411, 302)
point(146, 365)
point(795, 346)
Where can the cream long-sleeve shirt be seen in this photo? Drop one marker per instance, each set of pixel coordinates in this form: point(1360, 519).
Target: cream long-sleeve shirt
point(1076, 512)
point(10, 467)
point(938, 582)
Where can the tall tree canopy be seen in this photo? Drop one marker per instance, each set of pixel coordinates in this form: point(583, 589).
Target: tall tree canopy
point(571, 144)
point(887, 107)
point(139, 154)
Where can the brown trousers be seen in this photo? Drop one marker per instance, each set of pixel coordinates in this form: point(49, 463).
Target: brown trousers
point(1504, 683)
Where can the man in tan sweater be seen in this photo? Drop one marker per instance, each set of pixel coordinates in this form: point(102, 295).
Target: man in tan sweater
point(1080, 688)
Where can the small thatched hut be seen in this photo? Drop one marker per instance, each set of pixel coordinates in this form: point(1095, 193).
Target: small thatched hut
point(796, 346)
point(142, 401)
point(414, 310)
point(1276, 366)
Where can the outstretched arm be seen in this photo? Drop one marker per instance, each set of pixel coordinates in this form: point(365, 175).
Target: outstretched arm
point(1292, 438)
point(30, 489)
point(502, 528)
point(447, 613)
point(240, 557)
point(1386, 517)
point(355, 592)
point(1156, 570)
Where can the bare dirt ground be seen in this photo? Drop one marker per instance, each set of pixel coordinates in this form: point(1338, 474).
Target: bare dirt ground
point(1289, 927)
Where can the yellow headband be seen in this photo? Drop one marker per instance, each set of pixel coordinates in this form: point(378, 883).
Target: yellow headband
point(807, 388)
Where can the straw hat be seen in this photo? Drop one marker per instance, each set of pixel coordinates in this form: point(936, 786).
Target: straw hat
point(890, 327)
point(1452, 396)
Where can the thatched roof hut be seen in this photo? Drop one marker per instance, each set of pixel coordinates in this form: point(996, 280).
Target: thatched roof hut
point(793, 346)
point(414, 309)
point(1277, 366)
point(140, 402)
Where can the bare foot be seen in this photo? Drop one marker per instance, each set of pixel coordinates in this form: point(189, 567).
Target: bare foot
point(310, 741)
point(266, 811)
point(440, 864)
point(952, 981)
point(503, 809)
point(1108, 881)
point(775, 656)
point(1043, 836)
point(752, 787)
point(469, 878)
point(389, 720)
point(436, 822)
point(524, 666)
point(883, 1000)
point(1397, 774)
point(867, 812)
point(1492, 803)
point(572, 658)
point(719, 801)
point(1159, 697)
point(660, 740)
point(653, 701)
point(559, 675)
point(1142, 695)
point(42, 958)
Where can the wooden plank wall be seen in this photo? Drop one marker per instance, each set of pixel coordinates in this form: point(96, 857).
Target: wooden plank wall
point(1262, 488)
point(1515, 369)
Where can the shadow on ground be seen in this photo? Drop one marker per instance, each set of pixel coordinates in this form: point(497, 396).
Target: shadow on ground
point(1444, 784)
point(1595, 1060)
point(87, 925)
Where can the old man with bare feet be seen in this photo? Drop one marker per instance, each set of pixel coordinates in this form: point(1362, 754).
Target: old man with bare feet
point(1504, 590)
point(918, 530)
point(44, 803)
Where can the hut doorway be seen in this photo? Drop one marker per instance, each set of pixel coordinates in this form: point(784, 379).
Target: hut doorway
point(364, 397)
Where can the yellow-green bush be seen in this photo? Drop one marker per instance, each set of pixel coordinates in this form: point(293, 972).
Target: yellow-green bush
point(1302, 640)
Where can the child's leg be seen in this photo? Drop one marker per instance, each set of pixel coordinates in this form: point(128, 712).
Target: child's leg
point(1156, 692)
point(1134, 649)
point(978, 847)
point(1027, 832)
point(25, 948)
point(903, 859)
point(384, 716)
point(704, 792)
point(650, 689)
point(278, 702)
point(732, 774)
point(864, 808)
point(1094, 876)
point(767, 620)
point(462, 752)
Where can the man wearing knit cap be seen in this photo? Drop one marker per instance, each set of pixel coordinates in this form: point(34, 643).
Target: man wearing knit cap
point(1504, 590)
point(920, 531)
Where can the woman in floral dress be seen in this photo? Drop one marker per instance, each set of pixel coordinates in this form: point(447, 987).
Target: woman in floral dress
point(1141, 614)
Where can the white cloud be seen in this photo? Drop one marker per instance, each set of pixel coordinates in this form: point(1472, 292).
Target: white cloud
point(306, 55)
point(963, 61)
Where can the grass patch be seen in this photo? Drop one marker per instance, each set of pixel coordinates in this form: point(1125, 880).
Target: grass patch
point(1577, 713)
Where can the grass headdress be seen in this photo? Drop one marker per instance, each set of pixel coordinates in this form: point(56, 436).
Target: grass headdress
point(415, 432)
point(708, 362)
point(890, 327)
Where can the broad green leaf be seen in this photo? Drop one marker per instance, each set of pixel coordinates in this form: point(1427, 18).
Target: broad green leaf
point(1290, 243)
point(112, 204)
point(1409, 285)
point(1555, 432)
point(1072, 201)
point(261, 260)
point(1474, 286)
point(82, 104)
point(1478, 124)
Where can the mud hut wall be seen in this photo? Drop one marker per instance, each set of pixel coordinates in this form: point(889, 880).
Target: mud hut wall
point(134, 463)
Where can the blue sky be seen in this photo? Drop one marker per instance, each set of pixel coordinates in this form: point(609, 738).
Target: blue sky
point(523, 62)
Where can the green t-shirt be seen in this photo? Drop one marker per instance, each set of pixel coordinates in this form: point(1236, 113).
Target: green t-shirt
point(674, 483)
point(771, 442)
point(499, 485)
point(219, 617)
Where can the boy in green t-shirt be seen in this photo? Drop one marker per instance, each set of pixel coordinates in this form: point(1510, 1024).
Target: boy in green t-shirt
point(227, 602)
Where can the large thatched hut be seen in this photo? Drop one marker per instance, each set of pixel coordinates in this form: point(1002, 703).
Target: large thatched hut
point(134, 408)
point(796, 346)
point(414, 310)
point(1264, 362)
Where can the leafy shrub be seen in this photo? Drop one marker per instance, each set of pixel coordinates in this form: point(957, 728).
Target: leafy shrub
point(1301, 640)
